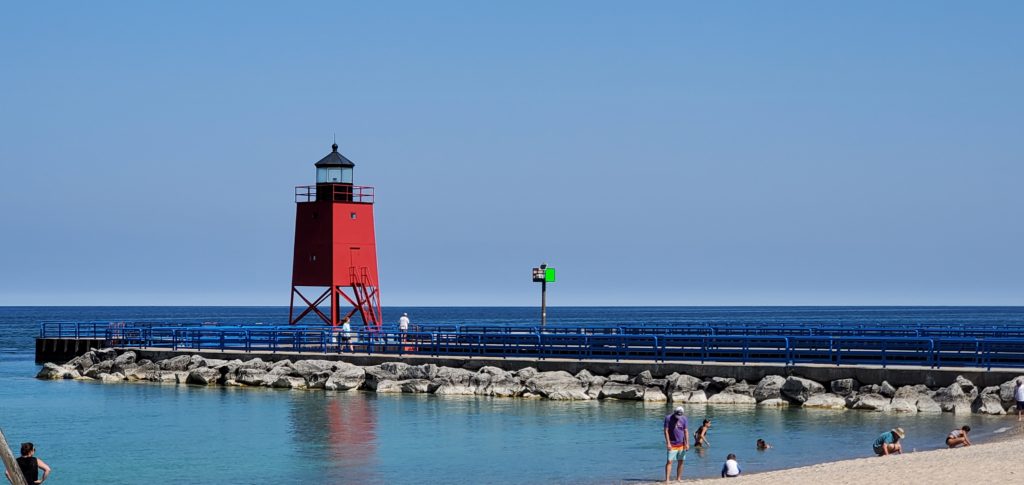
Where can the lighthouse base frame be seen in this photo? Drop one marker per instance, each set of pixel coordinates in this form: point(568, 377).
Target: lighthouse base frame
point(365, 300)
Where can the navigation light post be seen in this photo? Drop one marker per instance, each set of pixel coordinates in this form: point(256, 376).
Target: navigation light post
point(543, 275)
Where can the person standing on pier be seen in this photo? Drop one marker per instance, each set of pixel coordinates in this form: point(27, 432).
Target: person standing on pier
point(347, 335)
point(403, 323)
point(676, 436)
point(30, 465)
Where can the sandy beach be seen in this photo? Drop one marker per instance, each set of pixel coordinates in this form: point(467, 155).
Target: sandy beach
point(993, 462)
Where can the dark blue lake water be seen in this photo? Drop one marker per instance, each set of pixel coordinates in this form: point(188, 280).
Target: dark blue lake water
point(148, 433)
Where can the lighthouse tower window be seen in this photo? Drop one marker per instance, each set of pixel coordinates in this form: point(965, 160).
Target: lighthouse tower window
point(334, 175)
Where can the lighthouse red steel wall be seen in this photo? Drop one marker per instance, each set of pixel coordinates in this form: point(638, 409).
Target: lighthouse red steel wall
point(335, 258)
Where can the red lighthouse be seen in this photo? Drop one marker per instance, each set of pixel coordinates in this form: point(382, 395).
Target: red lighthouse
point(335, 249)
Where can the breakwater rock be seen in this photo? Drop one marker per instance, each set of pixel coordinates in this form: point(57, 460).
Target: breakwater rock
point(108, 366)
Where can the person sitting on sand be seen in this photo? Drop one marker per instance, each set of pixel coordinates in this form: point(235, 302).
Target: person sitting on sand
point(700, 437)
point(731, 469)
point(958, 437)
point(888, 443)
point(762, 444)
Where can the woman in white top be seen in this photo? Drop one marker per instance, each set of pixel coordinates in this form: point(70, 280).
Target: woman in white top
point(958, 437)
point(347, 335)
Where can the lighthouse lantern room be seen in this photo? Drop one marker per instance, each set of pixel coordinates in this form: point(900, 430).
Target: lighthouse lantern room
point(335, 256)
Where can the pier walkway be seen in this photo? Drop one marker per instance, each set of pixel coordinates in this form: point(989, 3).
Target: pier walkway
point(922, 346)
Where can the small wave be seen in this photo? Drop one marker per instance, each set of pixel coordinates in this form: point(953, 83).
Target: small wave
point(1002, 430)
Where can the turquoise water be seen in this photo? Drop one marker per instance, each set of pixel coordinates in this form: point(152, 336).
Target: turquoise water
point(150, 433)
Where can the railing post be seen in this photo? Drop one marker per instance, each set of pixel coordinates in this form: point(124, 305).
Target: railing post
point(884, 346)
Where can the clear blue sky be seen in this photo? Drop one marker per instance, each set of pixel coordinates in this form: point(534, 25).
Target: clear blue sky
point(656, 153)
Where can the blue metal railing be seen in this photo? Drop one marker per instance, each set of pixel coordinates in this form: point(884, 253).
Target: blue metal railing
point(874, 345)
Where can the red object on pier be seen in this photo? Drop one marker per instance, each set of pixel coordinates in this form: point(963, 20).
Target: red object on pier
point(335, 248)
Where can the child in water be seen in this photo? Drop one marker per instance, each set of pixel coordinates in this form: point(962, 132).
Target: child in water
point(700, 437)
point(731, 469)
point(762, 444)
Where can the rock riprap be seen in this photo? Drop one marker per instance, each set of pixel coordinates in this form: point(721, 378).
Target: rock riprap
point(109, 366)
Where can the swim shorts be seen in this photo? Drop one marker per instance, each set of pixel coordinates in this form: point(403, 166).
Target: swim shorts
point(677, 454)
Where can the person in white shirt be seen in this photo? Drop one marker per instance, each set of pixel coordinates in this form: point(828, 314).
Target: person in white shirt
point(403, 323)
point(731, 469)
point(958, 437)
point(1018, 395)
point(347, 335)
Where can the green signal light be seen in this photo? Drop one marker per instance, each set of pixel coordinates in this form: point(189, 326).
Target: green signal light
point(549, 275)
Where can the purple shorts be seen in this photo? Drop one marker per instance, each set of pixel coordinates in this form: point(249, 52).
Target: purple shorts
point(1020, 405)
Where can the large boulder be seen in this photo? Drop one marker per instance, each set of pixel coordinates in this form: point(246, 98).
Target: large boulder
point(253, 377)
point(741, 388)
point(557, 385)
point(692, 397)
point(887, 390)
point(826, 401)
point(952, 399)
point(799, 390)
point(596, 386)
point(622, 391)
point(619, 378)
point(145, 372)
point(388, 386)
point(844, 387)
point(306, 368)
point(83, 362)
point(643, 378)
point(104, 354)
point(903, 405)
point(988, 404)
point(911, 392)
point(454, 382)
point(203, 376)
point(388, 371)
point(255, 363)
point(970, 390)
point(98, 368)
point(925, 404)
point(653, 394)
point(314, 381)
point(678, 385)
point(289, 382)
point(727, 397)
point(125, 359)
point(408, 386)
point(870, 402)
point(870, 389)
point(525, 373)
point(163, 377)
point(492, 381)
point(345, 378)
point(53, 371)
point(770, 387)
point(718, 384)
point(176, 363)
point(775, 402)
point(110, 377)
point(195, 362)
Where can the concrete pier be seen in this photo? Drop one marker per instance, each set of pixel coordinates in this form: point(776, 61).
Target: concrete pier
point(61, 350)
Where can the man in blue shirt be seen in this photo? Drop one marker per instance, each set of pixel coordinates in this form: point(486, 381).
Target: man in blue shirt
point(676, 435)
point(888, 443)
